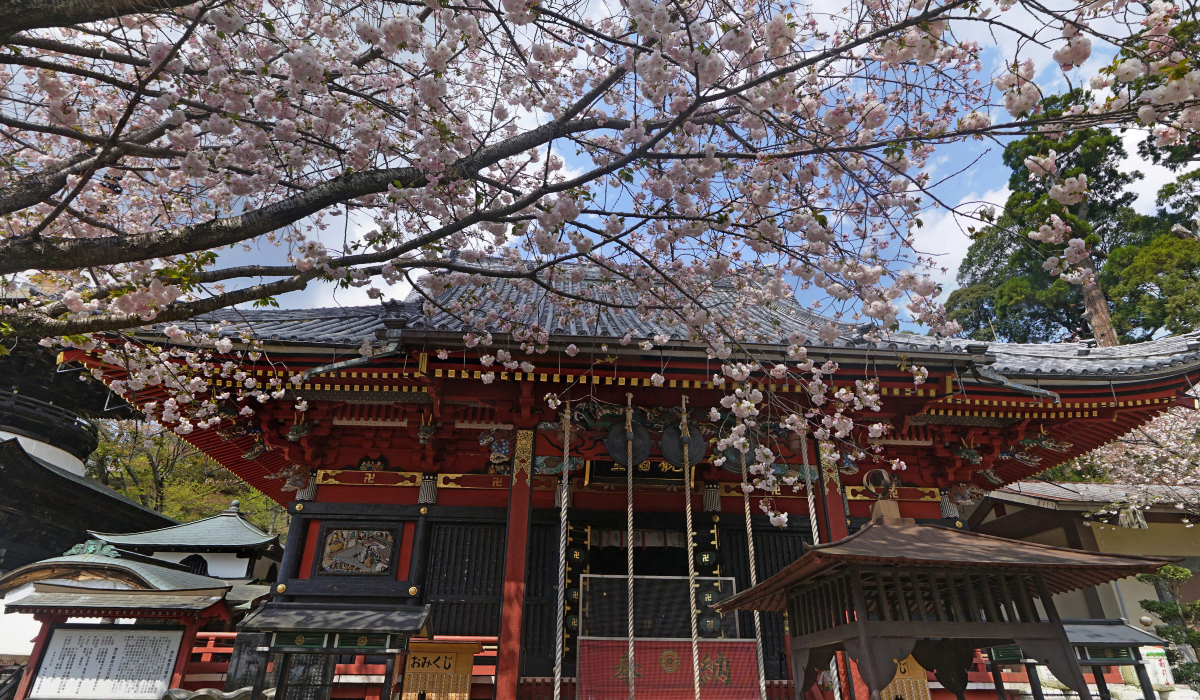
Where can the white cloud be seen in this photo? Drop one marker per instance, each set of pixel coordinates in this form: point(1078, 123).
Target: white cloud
point(944, 234)
point(1155, 176)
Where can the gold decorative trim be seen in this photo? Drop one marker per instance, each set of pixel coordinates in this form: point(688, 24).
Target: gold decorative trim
point(903, 493)
point(523, 456)
point(334, 477)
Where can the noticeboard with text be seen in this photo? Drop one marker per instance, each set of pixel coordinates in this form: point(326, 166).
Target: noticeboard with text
point(108, 663)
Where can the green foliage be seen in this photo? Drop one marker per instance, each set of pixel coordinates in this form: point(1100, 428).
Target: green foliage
point(1078, 470)
point(163, 472)
point(1006, 294)
point(1156, 286)
point(1186, 672)
point(1147, 266)
point(1179, 619)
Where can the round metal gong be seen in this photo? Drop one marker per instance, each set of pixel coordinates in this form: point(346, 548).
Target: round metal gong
point(672, 445)
point(615, 443)
point(733, 458)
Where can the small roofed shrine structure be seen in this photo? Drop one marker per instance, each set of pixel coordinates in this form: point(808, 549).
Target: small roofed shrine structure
point(225, 546)
point(896, 588)
point(78, 599)
point(423, 465)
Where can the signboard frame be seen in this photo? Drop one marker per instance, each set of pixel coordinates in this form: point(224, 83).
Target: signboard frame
point(180, 631)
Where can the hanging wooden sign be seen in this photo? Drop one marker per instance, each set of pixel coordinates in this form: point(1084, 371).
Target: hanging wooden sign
point(650, 471)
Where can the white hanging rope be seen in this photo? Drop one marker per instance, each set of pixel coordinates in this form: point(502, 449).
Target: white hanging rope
point(629, 533)
point(816, 538)
point(565, 498)
point(687, 509)
point(808, 488)
point(762, 679)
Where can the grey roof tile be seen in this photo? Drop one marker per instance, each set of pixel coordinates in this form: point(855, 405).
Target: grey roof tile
point(228, 529)
point(1101, 494)
point(348, 326)
point(105, 600)
point(157, 577)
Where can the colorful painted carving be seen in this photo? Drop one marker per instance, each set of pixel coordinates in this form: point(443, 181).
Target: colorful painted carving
point(348, 551)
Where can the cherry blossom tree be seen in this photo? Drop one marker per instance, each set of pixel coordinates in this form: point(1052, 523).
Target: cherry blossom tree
point(684, 149)
point(1158, 464)
point(673, 145)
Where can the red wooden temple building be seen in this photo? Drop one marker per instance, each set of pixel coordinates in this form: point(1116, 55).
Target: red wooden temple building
point(415, 486)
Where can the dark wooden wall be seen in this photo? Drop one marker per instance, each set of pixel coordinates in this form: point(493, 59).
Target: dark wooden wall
point(465, 582)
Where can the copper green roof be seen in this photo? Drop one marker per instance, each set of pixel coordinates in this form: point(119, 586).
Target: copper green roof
point(227, 530)
point(160, 578)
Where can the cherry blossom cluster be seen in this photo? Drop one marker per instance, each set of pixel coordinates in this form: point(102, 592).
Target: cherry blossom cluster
point(177, 384)
point(1068, 263)
point(1154, 465)
point(823, 412)
point(686, 163)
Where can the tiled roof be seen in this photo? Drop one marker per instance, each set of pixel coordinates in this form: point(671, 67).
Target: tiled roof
point(337, 325)
point(106, 600)
point(159, 578)
point(1078, 359)
point(901, 542)
point(347, 327)
point(1083, 493)
point(227, 529)
point(12, 452)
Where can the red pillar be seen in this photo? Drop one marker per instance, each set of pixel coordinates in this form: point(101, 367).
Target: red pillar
point(508, 657)
point(185, 650)
point(35, 657)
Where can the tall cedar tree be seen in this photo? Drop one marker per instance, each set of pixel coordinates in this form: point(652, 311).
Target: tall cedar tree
point(1149, 272)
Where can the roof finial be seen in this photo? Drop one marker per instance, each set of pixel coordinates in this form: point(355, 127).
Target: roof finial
point(234, 506)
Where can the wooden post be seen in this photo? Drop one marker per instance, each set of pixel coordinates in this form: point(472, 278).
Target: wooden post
point(997, 677)
point(830, 518)
point(833, 515)
point(389, 677)
point(185, 650)
point(35, 656)
point(1101, 685)
point(293, 552)
point(1035, 683)
point(520, 498)
point(420, 556)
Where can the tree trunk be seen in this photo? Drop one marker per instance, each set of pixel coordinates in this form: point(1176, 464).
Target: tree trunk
point(1096, 312)
point(1095, 304)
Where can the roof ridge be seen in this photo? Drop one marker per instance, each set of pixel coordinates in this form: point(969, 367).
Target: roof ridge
point(227, 513)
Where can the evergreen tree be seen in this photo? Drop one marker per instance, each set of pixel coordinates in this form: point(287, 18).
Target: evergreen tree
point(1179, 619)
point(1147, 267)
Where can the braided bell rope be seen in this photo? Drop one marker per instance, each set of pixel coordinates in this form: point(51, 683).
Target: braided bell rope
point(629, 533)
point(758, 651)
point(691, 545)
point(562, 551)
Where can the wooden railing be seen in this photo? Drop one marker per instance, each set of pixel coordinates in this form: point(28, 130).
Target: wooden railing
point(208, 660)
